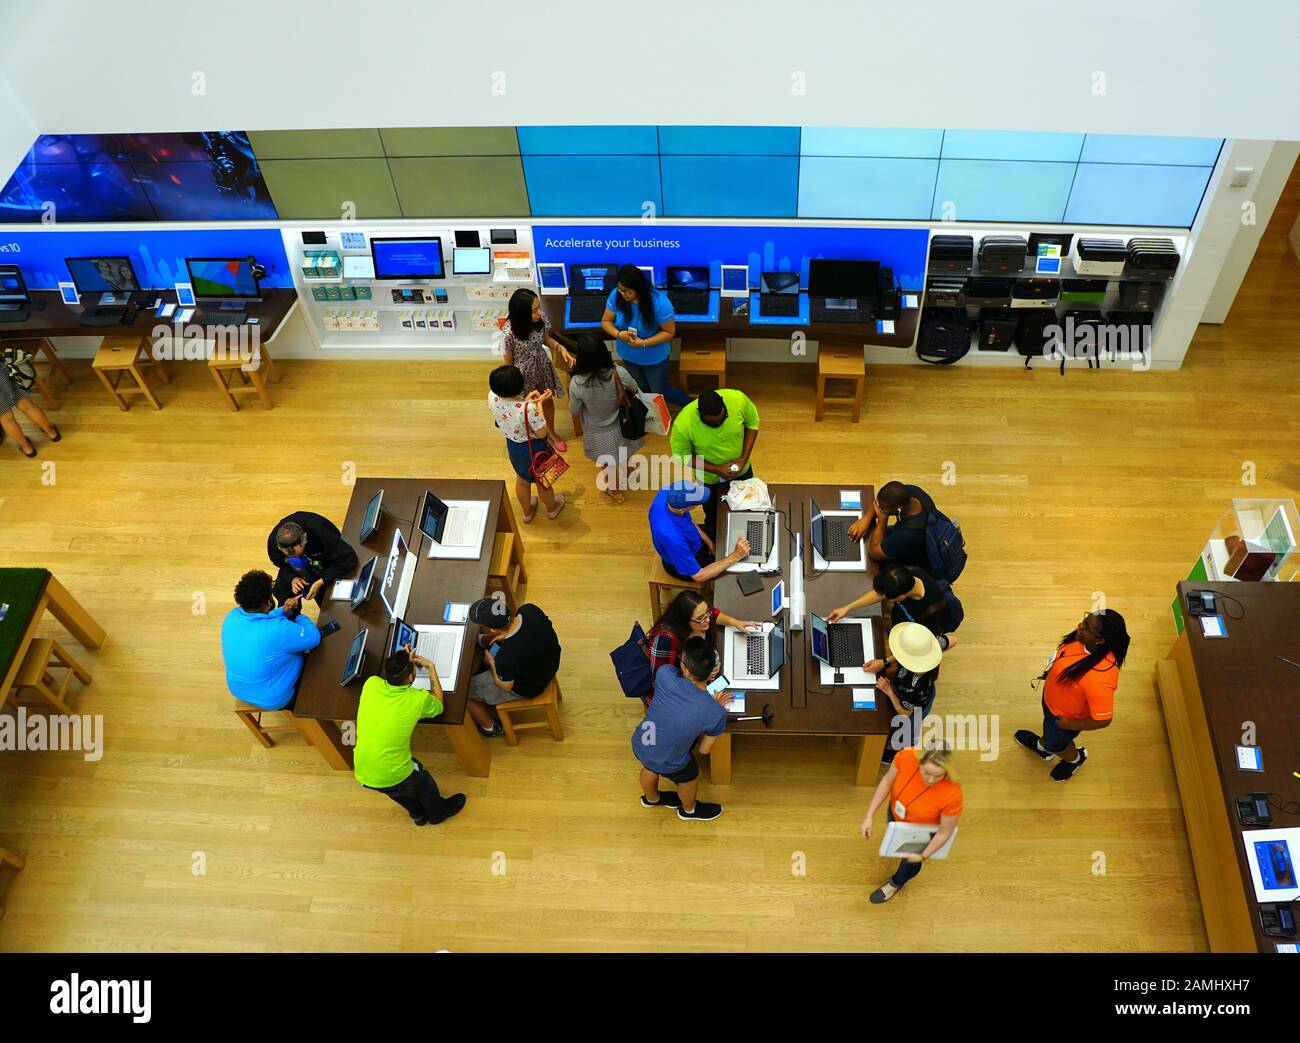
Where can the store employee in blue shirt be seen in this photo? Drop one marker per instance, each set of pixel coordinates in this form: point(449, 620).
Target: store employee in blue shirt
point(686, 549)
point(263, 646)
point(641, 319)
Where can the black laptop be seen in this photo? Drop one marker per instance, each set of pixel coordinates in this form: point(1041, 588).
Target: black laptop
point(589, 288)
point(778, 294)
point(688, 289)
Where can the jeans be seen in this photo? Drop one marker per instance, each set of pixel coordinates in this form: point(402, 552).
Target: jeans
point(716, 493)
point(654, 380)
point(1055, 738)
point(418, 794)
point(906, 870)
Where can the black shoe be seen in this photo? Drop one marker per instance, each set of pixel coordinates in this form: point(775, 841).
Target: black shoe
point(421, 821)
point(454, 805)
point(667, 799)
point(495, 732)
point(704, 812)
point(31, 455)
point(1029, 741)
point(878, 896)
point(58, 435)
point(1065, 770)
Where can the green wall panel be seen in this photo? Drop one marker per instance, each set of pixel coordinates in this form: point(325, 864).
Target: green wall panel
point(450, 141)
point(466, 186)
point(315, 144)
point(318, 188)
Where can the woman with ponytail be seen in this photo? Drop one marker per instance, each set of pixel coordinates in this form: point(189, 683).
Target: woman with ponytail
point(1079, 690)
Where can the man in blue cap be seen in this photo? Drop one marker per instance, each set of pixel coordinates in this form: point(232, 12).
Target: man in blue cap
point(684, 547)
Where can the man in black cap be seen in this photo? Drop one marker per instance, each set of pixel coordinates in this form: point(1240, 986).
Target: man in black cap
point(521, 655)
point(310, 553)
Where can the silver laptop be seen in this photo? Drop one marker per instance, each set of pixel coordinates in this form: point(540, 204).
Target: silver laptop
point(439, 644)
point(759, 527)
point(757, 657)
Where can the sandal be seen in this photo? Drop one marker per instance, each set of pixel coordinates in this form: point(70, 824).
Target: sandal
point(559, 506)
point(25, 453)
point(616, 495)
point(58, 435)
point(561, 446)
point(532, 513)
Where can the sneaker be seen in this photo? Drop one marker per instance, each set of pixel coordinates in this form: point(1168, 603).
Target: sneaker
point(1065, 769)
point(455, 803)
point(420, 821)
point(1029, 741)
point(667, 799)
point(704, 812)
point(495, 732)
point(880, 896)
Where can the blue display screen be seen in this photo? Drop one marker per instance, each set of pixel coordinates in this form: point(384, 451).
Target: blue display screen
point(1275, 867)
point(407, 258)
point(102, 274)
point(688, 278)
point(221, 277)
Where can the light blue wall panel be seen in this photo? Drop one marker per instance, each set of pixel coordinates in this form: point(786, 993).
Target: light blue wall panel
point(592, 186)
point(996, 144)
point(587, 141)
point(1119, 194)
point(985, 190)
point(730, 186)
point(889, 189)
point(860, 141)
point(1135, 148)
point(729, 141)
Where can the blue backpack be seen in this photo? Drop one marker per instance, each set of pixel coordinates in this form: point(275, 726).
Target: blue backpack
point(632, 665)
point(945, 547)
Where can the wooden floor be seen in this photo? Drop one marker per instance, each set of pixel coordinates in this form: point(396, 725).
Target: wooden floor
point(1065, 487)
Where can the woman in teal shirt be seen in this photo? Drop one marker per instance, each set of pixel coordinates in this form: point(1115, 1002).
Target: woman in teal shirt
point(641, 319)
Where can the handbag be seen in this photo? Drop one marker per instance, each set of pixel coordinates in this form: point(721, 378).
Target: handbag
point(19, 368)
point(545, 464)
point(632, 412)
point(631, 662)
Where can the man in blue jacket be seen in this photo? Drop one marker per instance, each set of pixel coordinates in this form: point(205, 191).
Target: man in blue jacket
point(264, 646)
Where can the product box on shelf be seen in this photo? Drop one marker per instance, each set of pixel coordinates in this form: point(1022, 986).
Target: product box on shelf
point(322, 264)
point(1099, 256)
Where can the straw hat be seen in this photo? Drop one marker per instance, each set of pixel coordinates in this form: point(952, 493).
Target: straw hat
point(915, 647)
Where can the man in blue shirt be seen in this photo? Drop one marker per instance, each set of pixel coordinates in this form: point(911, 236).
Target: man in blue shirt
point(264, 646)
point(686, 549)
point(682, 712)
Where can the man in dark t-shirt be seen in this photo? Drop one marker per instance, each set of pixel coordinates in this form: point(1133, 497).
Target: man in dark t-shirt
point(521, 655)
point(916, 598)
point(895, 525)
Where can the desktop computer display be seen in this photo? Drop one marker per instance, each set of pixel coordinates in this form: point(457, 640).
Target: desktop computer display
point(102, 274)
point(223, 279)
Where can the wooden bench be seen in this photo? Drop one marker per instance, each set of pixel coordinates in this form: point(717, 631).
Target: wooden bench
point(546, 701)
point(843, 363)
point(127, 357)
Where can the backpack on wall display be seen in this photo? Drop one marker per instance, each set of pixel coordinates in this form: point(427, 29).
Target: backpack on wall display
point(997, 329)
point(1032, 337)
point(944, 336)
point(945, 548)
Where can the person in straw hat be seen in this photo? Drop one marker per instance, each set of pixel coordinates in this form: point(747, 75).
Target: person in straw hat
point(907, 676)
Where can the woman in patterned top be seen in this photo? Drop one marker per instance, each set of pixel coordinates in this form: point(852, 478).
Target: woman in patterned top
point(529, 340)
point(687, 615)
point(519, 417)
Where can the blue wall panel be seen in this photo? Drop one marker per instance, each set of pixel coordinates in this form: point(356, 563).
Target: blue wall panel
point(592, 186)
point(1107, 193)
point(1134, 148)
point(730, 186)
point(889, 189)
point(157, 257)
point(997, 144)
point(986, 190)
point(729, 141)
point(583, 141)
point(861, 141)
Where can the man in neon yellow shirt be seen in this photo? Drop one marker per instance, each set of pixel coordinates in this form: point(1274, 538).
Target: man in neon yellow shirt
point(391, 706)
point(718, 430)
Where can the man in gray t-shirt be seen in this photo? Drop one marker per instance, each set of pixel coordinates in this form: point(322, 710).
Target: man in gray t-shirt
point(682, 712)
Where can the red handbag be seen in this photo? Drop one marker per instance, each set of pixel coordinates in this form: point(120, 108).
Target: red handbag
point(545, 464)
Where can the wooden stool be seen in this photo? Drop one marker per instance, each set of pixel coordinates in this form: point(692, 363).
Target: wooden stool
point(35, 672)
point(703, 357)
point(660, 580)
point(506, 570)
point(8, 858)
point(127, 356)
point(252, 717)
point(251, 381)
point(841, 362)
point(546, 701)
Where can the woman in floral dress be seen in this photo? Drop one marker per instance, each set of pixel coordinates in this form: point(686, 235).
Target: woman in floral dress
point(529, 340)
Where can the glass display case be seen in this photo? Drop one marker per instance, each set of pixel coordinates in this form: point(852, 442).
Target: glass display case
point(1254, 541)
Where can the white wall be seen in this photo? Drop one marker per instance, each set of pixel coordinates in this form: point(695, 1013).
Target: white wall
point(1263, 192)
point(17, 128)
point(1174, 67)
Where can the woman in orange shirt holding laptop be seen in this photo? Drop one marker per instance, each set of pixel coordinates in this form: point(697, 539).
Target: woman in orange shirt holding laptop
point(921, 790)
point(1079, 690)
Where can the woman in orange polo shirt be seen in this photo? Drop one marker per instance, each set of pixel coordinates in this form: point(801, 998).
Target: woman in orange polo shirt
point(1079, 690)
point(921, 790)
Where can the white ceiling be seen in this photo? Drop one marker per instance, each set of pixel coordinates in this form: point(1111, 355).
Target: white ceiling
point(1177, 67)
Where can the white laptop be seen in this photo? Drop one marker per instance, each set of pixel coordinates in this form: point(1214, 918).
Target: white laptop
point(754, 661)
point(399, 570)
point(833, 551)
point(454, 527)
point(909, 838)
point(762, 530)
point(836, 643)
point(440, 644)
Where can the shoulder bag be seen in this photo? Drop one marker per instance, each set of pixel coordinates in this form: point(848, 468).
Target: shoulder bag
point(632, 412)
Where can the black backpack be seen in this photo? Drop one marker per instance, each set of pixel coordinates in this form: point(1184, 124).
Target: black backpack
point(944, 337)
